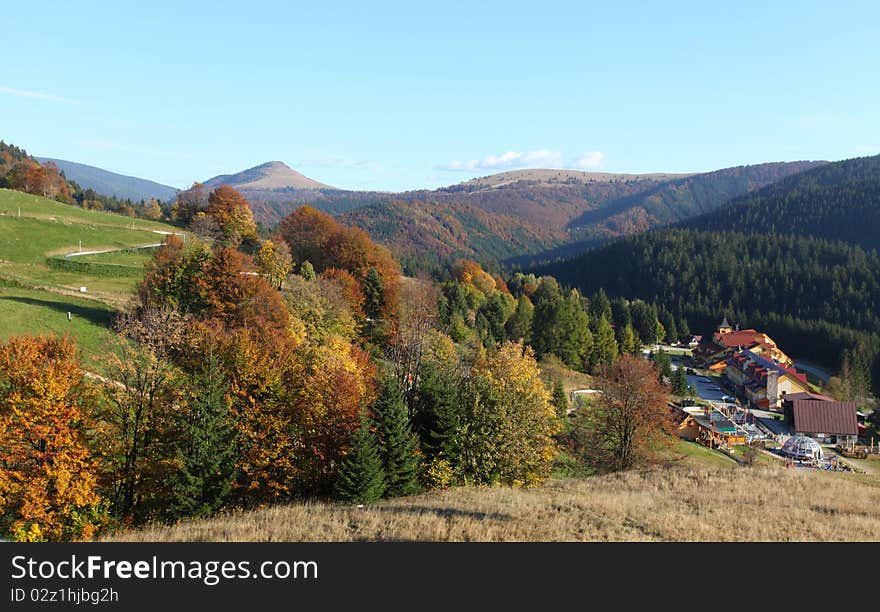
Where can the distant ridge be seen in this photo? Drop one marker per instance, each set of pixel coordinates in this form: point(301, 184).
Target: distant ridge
point(112, 184)
point(551, 176)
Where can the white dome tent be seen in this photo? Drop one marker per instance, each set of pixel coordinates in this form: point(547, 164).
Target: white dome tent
point(803, 448)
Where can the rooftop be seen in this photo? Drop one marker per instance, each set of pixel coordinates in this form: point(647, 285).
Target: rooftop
point(836, 418)
point(806, 395)
point(761, 363)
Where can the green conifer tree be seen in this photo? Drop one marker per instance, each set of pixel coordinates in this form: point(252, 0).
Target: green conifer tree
point(437, 412)
point(374, 294)
point(679, 382)
point(684, 330)
point(398, 445)
point(205, 446)
point(361, 478)
point(604, 344)
point(520, 323)
point(559, 399)
point(629, 340)
point(307, 270)
point(664, 365)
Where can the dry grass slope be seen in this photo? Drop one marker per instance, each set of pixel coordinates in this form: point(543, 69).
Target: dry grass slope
point(679, 503)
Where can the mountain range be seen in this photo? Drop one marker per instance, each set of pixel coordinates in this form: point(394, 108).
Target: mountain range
point(521, 217)
point(113, 184)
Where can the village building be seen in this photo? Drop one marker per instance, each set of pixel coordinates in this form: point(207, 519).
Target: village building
point(712, 351)
point(762, 381)
point(822, 418)
point(709, 428)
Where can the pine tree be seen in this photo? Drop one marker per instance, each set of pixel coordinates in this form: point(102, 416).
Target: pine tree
point(629, 340)
point(679, 382)
point(684, 330)
point(206, 447)
point(398, 445)
point(664, 365)
point(549, 302)
point(604, 343)
point(374, 294)
point(644, 319)
point(668, 322)
point(575, 337)
point(437, 412)
point(600, 305)
point(559, 399)
point(520, 323)
point(361, 478)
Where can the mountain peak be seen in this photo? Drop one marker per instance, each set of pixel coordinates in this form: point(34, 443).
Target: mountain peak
point(274, 165)
point(269, 176)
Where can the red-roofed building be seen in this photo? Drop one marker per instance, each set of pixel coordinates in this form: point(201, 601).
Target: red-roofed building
point(713, 350)
point(762, 381)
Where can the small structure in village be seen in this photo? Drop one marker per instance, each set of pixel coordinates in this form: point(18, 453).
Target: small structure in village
point(710, 428)
point(802, 448)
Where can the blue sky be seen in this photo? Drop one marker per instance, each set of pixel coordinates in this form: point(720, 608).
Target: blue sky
point(394, 96)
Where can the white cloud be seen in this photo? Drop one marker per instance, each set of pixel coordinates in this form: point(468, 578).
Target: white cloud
point(23, 93)
point(590, 161)
point(511, 160)
point(516, 160)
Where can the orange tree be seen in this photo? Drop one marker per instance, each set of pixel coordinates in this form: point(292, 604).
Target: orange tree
point(232, 213)
point(318, 238)
point(48, 481)
point(629, 422)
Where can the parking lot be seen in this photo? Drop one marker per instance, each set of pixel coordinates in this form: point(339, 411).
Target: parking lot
point(707, 388)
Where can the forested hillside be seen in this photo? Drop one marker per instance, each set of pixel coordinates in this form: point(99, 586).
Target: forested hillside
point(815, 297)
point(112, 184)
point(839, 201)
point(520, 219)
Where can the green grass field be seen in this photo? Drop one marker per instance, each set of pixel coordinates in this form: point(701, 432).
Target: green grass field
point(695, 454)
point(46, 228)
point(34, 312)
point(11, 202)
point(35, 297)
point(135, 257)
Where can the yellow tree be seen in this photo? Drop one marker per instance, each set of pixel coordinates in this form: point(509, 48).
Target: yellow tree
point(48, 481)
point(274, 262)
point(509, 422)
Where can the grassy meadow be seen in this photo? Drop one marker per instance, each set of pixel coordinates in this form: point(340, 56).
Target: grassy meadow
point(46, 228)
point(691, 500)
point(35, 312)
point(35, 296)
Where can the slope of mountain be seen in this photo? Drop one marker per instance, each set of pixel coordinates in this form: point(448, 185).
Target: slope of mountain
point(112, 184)
point(506, 215)
point(550, 177)
point(275, 190)
point(685, 197)
point(271, 176)
point(839, 201)
point(518, 215)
